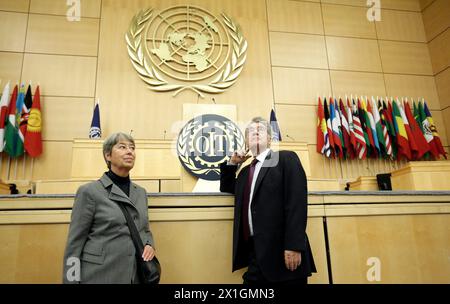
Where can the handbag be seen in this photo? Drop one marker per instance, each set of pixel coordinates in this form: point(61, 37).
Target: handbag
point(149, 272)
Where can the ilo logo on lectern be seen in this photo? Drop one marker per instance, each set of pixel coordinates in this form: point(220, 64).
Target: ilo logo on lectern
point(205, 142)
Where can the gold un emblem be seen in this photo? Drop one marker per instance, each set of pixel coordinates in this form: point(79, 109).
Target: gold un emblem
point(186, 47)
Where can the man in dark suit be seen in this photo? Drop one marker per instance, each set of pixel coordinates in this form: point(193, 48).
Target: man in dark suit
point(270, 214)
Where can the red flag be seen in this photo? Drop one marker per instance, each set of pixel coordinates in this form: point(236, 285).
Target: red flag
point(402, 136)
point(422, 144)
point(323, 144)
point(411, 140)
point(436, 138)
point(33, 137)
point(345, 130)
point(361, 146)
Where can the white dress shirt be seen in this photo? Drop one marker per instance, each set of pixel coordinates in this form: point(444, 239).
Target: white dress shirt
point(261, 157)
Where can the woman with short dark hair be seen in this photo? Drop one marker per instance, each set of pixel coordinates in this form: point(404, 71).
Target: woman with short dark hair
point(99, 246)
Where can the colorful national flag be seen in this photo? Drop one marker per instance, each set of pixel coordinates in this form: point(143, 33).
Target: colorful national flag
point(365, 125)
point(384, 124)
point(352, 129)
point(3, 114)
point(329, 127)
point(427, 133)
point(336, 128)
point(323, 142)
point(33, 136)
point(25, 113)
point(379, 128)
point(411, 140)
point(433, 129)
point(360, 135)
point(402, 136)
point(13, 144)
point(392, 129)
point(95, 131)
point(348, 152)
point(276, 133)
point(422, 145)
point(371, 122)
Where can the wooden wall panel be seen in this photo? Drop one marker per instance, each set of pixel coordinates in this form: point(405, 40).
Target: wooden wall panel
point(440, 52)
point(413, 87)
point(46, 267)
point(436, 18)
point(363, 57)
point(357, 83)
point(15, 5)
point(443, 88)
point(446, 114)
point(10, 67)
point(119, 83)
point(425, 3)
point(347, 21)
point(171, 186)
point(66, 118)
point(300, 86)
point(407, 5)
point(287, 62)
point(88, 8)
point(61, 75)
point(12, 31)
point(298, 50)
point(298, 121)
point(440, 121)
point(406, 255)
point(292, 16)
point(346, 2)
point(55, 161)
point(323, 167)
point(70, 38)
point(405, 58)
point(401, 26)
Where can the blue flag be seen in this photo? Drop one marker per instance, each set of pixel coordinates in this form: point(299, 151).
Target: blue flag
point(276, 134)
point(95, 131)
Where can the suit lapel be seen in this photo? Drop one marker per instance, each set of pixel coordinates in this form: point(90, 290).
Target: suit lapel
point(263, 171)
point(133, 193)
point(116, 194)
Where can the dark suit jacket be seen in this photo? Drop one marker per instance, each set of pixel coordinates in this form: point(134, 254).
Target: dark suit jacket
point(99, 236)
point(279, 214)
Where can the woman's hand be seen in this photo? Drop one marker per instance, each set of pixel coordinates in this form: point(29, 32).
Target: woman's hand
point(148, 253)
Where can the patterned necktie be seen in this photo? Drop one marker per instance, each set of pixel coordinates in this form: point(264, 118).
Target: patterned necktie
point(246, 202)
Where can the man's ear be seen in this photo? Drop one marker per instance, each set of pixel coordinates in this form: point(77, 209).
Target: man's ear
point(108, 157)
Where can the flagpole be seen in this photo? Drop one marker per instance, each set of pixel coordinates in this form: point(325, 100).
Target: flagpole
point(31, 169)
point(337, 168)
point(329, 165)
point(1, 163)
point(8, 168)
point(15, 169)
point(23, 165)
point(324, 165)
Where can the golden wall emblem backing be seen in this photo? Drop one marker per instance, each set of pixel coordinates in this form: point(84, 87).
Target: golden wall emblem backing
point(186, 48)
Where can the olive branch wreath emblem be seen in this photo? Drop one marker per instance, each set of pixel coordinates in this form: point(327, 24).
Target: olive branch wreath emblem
point(183, 146)
point(226, 77)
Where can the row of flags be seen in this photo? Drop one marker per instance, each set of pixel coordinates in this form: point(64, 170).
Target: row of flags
point(377, 128)
point(20, 121)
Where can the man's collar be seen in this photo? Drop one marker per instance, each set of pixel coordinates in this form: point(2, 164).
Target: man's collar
point(262, 156)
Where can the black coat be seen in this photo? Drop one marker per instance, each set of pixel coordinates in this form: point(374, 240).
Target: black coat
point(279, 214)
